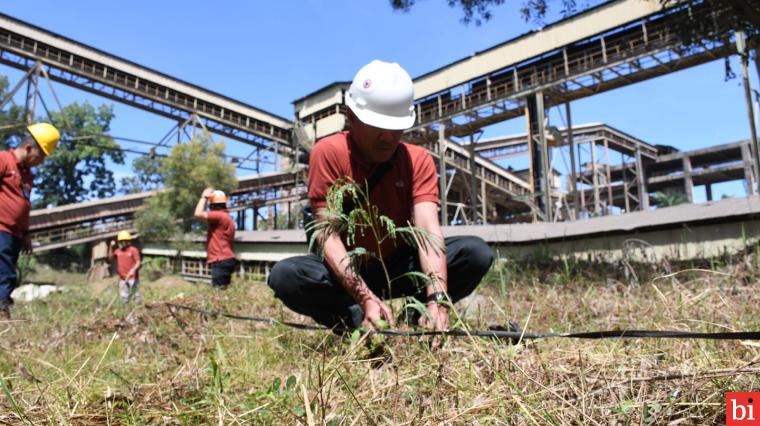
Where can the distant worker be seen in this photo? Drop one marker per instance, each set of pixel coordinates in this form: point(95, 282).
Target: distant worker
point(220, 240)
point(127, 265)
point(380, 108)
point(15, 203)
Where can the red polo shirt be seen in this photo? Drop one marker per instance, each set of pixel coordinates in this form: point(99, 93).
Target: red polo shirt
point(126, 260)
point(15, 193)
point(411, 179)
point(221, 236)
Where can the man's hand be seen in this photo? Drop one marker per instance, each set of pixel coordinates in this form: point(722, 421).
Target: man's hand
point(207, 192)
point(26, 248)
point(375, 310)
point(112, 244)
point(439, 317)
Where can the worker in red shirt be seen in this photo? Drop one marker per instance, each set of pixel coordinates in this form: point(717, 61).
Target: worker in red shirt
point(220, 240)
point(380, 108)
point(15, 202)
point(128, 264)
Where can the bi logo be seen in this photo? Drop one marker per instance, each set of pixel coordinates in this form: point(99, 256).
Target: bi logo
point(742, 408)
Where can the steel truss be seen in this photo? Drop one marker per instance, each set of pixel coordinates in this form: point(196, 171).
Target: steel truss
point(76, 70)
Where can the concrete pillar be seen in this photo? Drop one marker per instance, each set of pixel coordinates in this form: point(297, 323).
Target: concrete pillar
point(442, 173)
point(741, 47)
point(642, 181)
point(473, 181)
point(595, 179)
point(708, 190)
point(483, 202)
point(540, 173)
point(688, 182)
point(749, 171)
point(573, 173)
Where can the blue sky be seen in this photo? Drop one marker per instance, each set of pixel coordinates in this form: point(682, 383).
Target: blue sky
point(268, 54)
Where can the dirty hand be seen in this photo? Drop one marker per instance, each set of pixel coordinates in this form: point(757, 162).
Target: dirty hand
point(374, 311)
point(207, 192)
point(439, 317)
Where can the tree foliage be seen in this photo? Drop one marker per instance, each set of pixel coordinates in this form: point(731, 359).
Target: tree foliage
point(11, 120)
point(186, 172)
point(722, 19)
point(80, 167)
point(146, 175)
point(662, 199)
point(716, 19)
point(479, 11)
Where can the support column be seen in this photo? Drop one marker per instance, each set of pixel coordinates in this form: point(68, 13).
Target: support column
point(473, 181)
point(255, 218)
point(626, 193)
point(290, 205)
point(483, 202)
point(573, 173)
point(741, 47)
point(540, 173)
point(31, 98)
point(688, 182)
point(595, 179)
point(642, 181)
point(749, 171)
point(442, 173)
point(608, 174)
point(708, 190)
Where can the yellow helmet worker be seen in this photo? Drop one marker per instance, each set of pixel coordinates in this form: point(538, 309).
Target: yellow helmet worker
point(46, 136)
point(123, 236)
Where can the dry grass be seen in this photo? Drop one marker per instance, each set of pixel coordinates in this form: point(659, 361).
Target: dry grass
point(81, 358)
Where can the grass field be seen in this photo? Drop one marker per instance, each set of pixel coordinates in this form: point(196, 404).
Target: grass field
point(79, 357)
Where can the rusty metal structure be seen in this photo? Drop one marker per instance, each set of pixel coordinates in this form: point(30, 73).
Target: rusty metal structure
point(618, 43)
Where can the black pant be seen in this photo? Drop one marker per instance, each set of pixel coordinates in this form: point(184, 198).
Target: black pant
point(10, 247)
point(306, 285)
point(221, 272)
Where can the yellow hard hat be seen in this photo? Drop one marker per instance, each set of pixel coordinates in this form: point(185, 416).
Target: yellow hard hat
point(123, 236)
point(218, 197)
point(46, 135)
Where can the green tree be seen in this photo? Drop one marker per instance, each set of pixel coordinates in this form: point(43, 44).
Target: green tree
point(661, 199)
point(146, 176)
point(79, 168)
point(186, 172)
point(479, 11)
point(722, 19)
point(11, 120)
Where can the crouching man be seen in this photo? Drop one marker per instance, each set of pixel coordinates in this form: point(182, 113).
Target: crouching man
point(405, 189)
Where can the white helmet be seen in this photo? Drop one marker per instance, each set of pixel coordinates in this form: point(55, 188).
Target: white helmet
point(382, 95)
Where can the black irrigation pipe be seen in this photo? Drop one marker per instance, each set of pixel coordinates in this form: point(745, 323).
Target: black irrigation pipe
point(498, 332)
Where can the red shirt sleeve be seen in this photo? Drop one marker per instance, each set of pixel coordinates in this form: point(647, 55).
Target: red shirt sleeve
point(424, 179)
point(135, 254)
point(324, 169)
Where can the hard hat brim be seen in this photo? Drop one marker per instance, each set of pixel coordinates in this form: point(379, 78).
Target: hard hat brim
point(381, 121)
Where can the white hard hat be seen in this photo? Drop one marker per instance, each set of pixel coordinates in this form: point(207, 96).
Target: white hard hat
point(382, 95)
